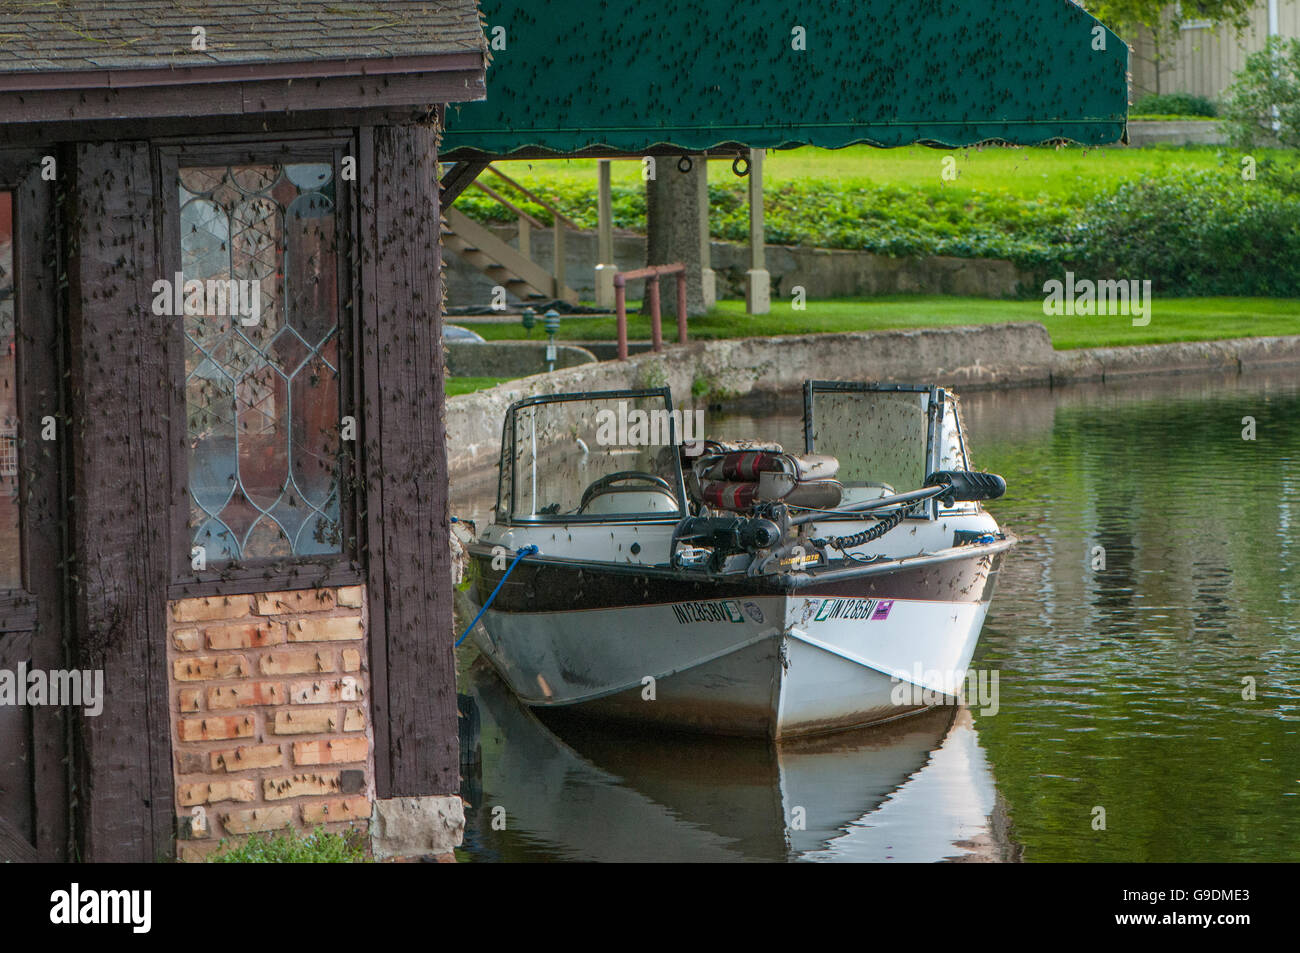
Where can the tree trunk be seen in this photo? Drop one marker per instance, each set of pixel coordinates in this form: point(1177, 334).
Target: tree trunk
point(673, 211)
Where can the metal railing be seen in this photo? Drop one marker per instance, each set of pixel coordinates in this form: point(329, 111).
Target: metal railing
point(652, 274)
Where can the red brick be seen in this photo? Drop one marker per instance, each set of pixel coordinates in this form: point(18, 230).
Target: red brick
point(246, 757)
point(302, 662)
point(323, 690)
point(354, 719)
point(214, 729)
point(245, 635)
point(194, 852)
point(206, 609)
point(334, 751)
point(325, 629)
point(191, 762)
point(258, 819)
point(187, 640)
point(211, 792)
point(200, 668)
point(336, 809)
point(246, 695)
point(293, 602)
point(306, 721)
point(299, 785)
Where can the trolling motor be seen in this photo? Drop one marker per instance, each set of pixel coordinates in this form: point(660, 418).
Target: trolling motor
point(713, 538)
point(731, 533)
point(966, 486)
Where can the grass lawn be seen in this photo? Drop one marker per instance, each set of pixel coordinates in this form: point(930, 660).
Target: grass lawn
point(1172, 319)
point(456, 386)
point(1024, 172)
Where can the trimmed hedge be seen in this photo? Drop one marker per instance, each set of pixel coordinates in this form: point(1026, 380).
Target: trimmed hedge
point(1174, 104)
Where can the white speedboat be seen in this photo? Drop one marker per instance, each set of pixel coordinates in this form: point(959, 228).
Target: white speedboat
point(737, 589)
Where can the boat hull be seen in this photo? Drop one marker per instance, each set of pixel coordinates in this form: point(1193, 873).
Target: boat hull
point(801, 656)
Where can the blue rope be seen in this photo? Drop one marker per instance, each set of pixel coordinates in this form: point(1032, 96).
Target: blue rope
point(520, 554)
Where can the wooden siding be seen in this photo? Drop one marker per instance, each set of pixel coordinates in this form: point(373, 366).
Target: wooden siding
point(1202, 60)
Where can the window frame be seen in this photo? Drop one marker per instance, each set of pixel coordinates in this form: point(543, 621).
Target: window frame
point(936, 398)
point(345, 567)
point(506, 516)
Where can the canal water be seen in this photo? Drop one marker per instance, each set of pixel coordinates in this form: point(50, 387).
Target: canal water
point(1145, 636)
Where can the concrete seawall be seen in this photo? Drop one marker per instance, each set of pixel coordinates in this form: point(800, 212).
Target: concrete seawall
point(963, 358)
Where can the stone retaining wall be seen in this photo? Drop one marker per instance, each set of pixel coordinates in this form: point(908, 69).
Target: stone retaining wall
point(964, 358)
point(822, 272)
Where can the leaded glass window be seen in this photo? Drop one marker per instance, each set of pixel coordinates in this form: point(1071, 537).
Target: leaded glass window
point(259, 261)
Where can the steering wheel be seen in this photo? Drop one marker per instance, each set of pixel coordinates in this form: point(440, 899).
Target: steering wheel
point(604, 483)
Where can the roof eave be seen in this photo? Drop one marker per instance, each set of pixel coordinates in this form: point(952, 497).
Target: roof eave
point(25, 81)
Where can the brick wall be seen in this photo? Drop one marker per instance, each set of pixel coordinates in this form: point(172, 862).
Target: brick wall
point(271, 716)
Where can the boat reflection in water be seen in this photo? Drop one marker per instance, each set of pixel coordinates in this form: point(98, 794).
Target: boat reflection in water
point(918, 789)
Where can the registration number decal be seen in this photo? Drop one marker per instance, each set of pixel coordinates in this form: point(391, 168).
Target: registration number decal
point(688, 612)
point(853, 609)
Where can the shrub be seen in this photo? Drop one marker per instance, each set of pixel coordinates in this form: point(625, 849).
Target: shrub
point(1266, 89)
point(318, 847)
point(1207, 233)
point(1174, 104)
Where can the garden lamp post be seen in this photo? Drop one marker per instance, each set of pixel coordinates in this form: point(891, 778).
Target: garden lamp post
point(552, 326)
point(529, 319)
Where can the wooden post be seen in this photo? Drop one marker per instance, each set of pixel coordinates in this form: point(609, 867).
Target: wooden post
point(558, 270)
point(525, 238)
point(681, 306)
point(124, 375)
point(605, 216)
point(708, 277)
point(652, 296)
point(605, 265)
point(413, 670)
point(757, 247)
point(758, 284)
point(620, 308)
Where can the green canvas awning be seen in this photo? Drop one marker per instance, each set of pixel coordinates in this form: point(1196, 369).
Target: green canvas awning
point(630, 77)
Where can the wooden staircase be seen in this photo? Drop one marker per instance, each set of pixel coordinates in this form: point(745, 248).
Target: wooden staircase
point(517, 273)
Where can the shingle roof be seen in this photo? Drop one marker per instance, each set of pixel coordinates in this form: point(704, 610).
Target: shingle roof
point(75, 35)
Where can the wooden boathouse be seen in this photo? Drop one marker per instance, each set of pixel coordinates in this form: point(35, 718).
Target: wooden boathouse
point(221, 404)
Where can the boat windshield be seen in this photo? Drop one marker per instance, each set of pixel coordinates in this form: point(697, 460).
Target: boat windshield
point(879, 433)
point(603, 456)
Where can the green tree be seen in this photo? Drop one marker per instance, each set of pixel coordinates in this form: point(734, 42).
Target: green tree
point(1263, 102)
point(1163, 20)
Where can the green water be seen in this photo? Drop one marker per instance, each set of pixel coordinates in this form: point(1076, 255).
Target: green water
point(1123, 687)
point(1120, 688)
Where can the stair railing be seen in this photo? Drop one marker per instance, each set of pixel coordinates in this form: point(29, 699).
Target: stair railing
point(527, 223)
